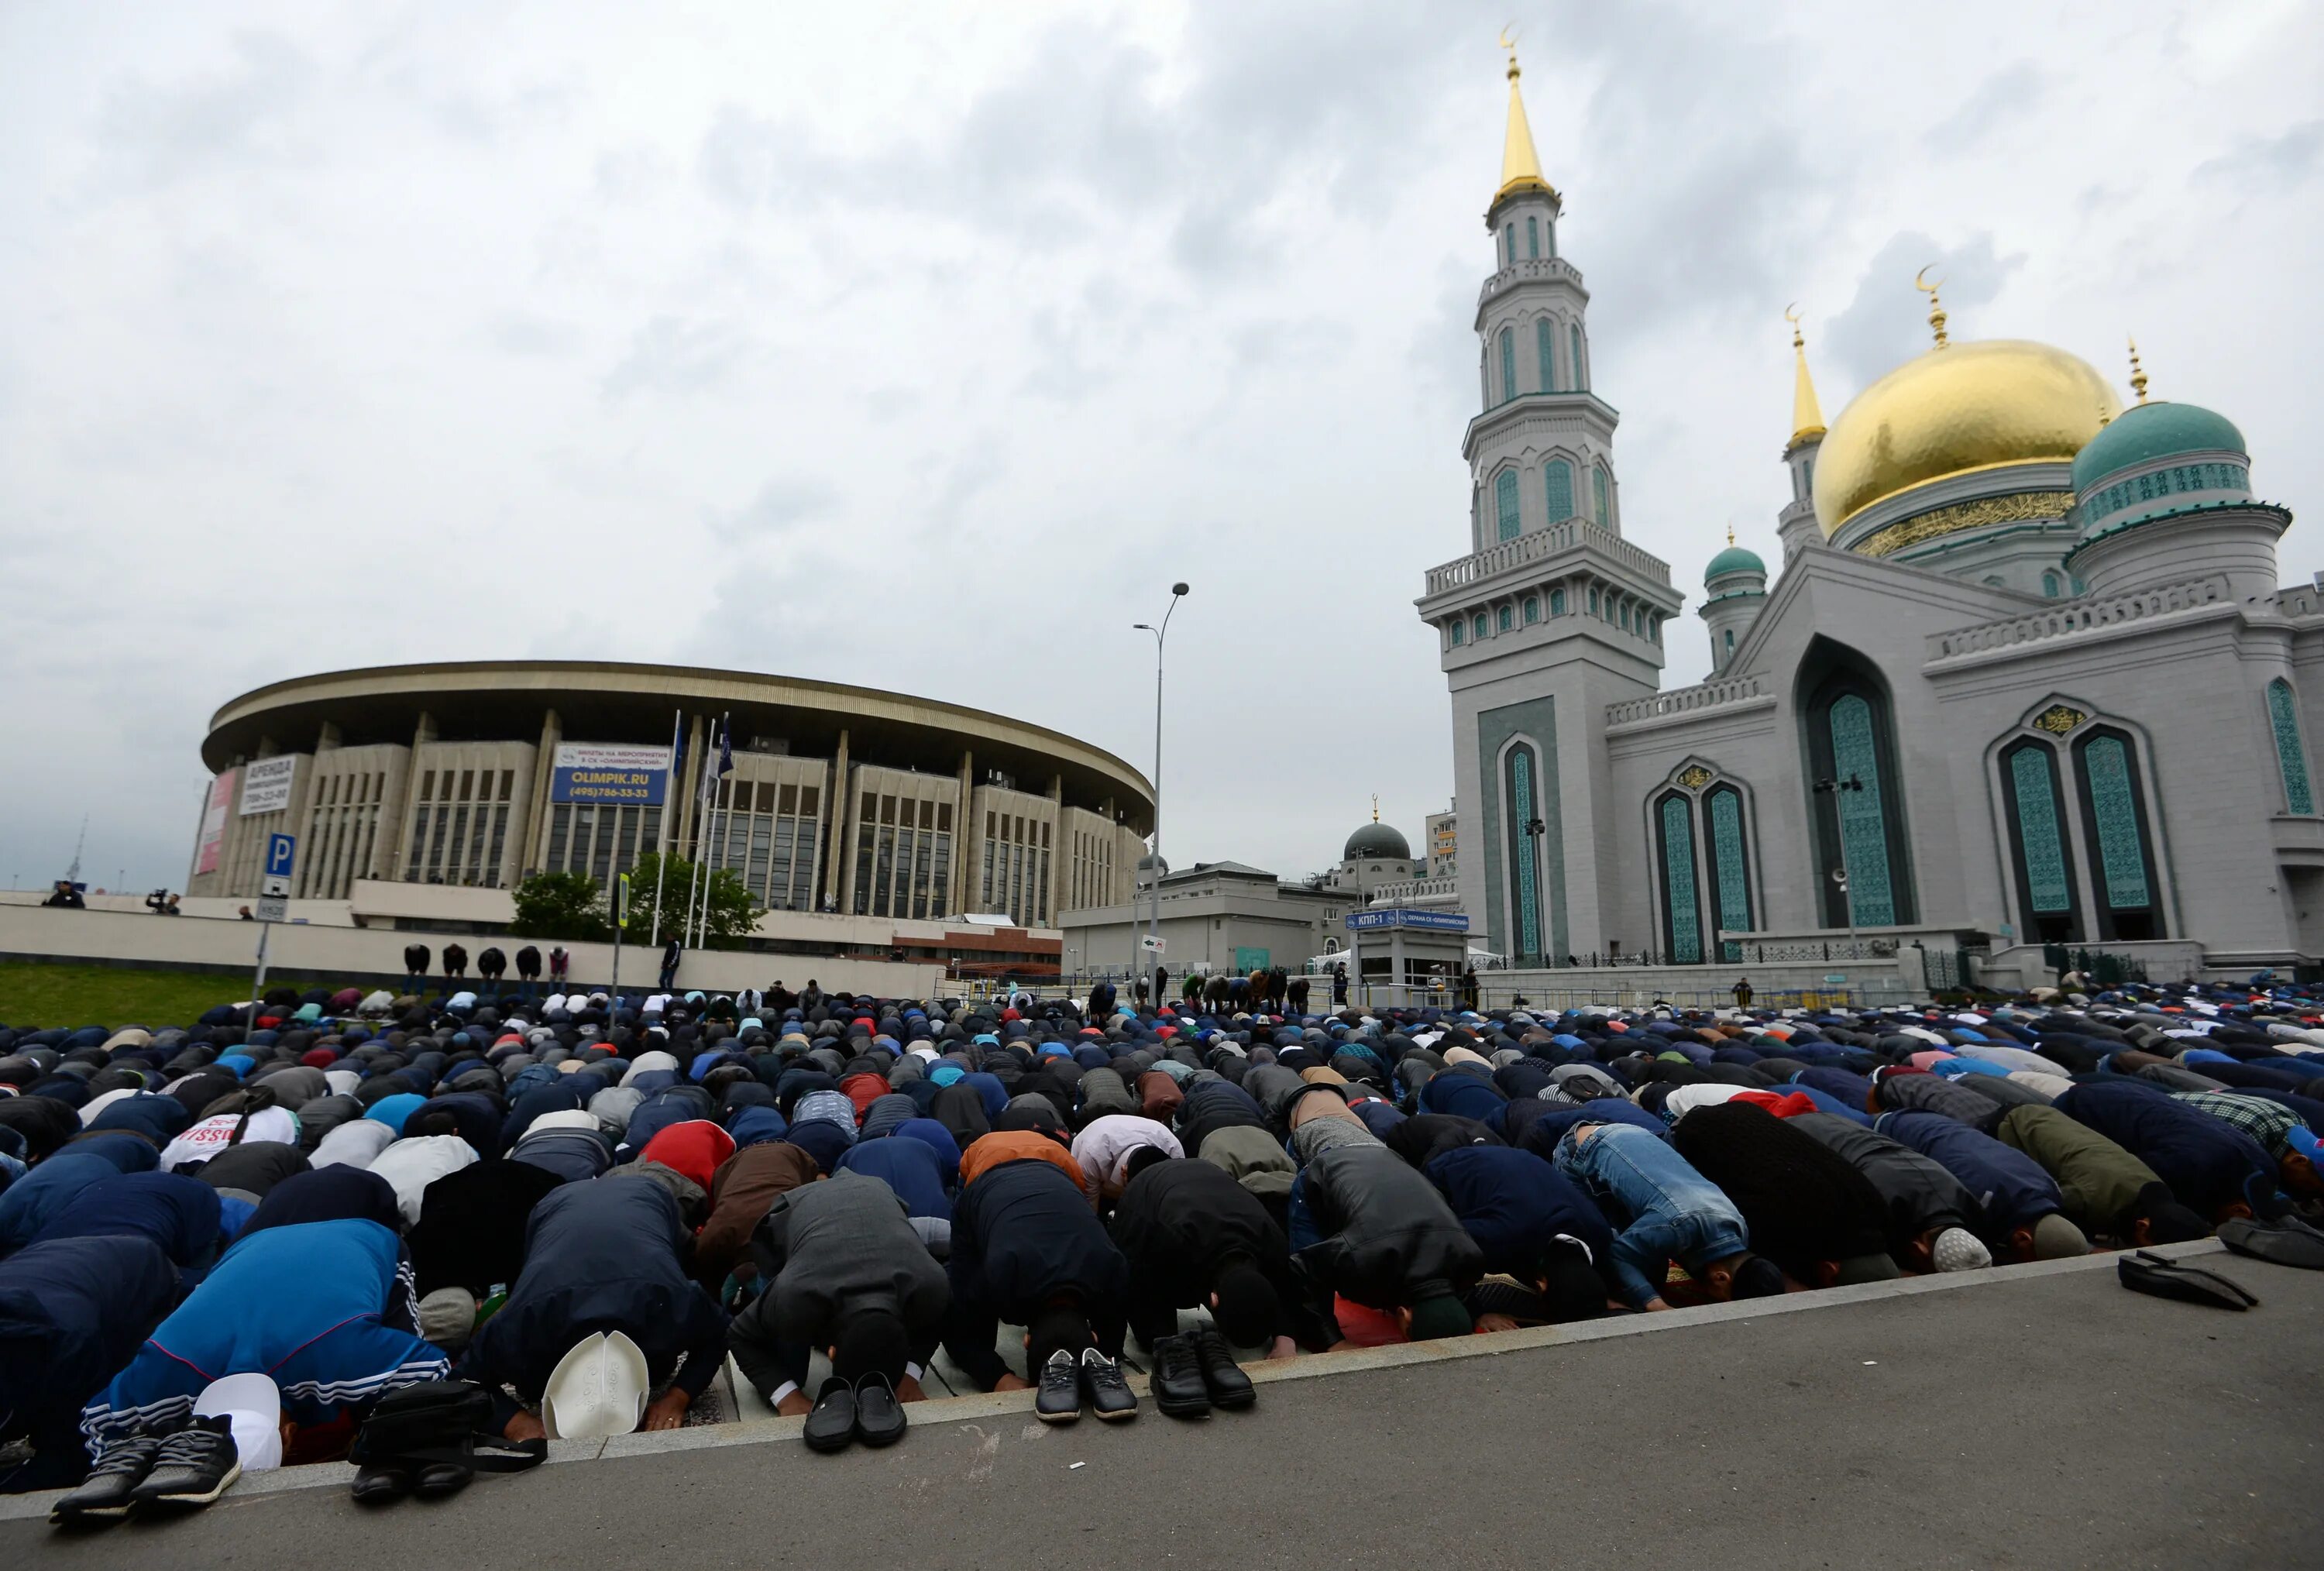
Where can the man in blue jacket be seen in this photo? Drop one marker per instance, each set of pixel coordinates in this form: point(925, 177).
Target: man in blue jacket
point(72, 1311)
point(2022, 1211)
point(322, 1308)
point(606, 1255)
point(1533, 1225)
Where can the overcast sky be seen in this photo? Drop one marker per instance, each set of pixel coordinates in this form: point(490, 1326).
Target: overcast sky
point(923, 346)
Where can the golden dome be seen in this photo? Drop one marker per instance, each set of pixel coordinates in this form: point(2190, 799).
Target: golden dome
point(1965, 406)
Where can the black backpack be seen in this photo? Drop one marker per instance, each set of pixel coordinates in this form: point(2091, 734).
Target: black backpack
point(440, 1421)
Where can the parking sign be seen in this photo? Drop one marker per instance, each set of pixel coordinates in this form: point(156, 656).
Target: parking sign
point(280, 851)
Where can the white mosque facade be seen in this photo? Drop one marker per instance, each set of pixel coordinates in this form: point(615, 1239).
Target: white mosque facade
point(2024, 675)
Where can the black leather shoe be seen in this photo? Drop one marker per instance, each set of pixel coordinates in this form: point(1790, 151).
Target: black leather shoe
point(104, 1496)
point(1179, 1388)
point(1059, 1399)
point(438, 1478)
point(878, 1415)
point(831, 1425)
point(1229, 1386)
point(1110, 1396)
point(381, 1485)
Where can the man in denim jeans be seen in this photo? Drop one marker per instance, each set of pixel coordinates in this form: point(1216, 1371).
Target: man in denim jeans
point(1672, 1212)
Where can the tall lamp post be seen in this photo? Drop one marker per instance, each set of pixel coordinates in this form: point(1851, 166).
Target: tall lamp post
point(1177, 593)
point(1536, 830)
point(1840, 834)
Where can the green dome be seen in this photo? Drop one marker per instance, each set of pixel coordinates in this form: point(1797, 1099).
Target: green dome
point(2147, 431)
point(1376, 839)
point(1734, 560)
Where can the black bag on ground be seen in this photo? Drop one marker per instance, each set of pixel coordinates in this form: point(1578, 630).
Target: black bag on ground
point(2288, 1241)
point(437, 1421)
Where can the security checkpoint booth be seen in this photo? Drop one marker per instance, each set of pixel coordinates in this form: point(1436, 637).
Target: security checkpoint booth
point(1407, 958)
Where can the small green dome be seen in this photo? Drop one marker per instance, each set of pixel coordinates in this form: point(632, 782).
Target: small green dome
point(1734, 560)
point(2147, 431)
point(1376, 839)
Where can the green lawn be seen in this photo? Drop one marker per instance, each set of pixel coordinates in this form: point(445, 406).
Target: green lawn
point(44, 995)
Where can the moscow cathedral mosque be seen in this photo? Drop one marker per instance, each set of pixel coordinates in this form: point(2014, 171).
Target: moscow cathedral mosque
point(2024, 675)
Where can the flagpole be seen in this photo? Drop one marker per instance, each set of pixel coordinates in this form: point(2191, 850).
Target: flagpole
point(694, 870)
point(710, 872)
point(661, 853)
point(713, 774)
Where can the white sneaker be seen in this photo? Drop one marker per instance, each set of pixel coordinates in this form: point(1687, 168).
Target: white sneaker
point(1960, 1249)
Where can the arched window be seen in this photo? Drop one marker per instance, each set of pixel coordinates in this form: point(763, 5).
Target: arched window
point(1557, 602)
point(1519, 769)
point(1504, 503)
point(2050, 585)
point(1580, 378)
point(1532, 236)
point(2037, 842)
point(1460, 630)
point(1859, 828)
point(1531, 608)
point(1730, 640)
point(1542, 340)
point(1477, 626)
point(2283, 716)
point(1622, 615)
point(1508, 364)
point(1682, 908)
point(1593, 599)
point(1504, 618)
point(1729, 864)
point(2115, 832)
point(1549, 234)
point(1993, 580)
point(1509, 235)
point(1557, 486)
point(1604, 504)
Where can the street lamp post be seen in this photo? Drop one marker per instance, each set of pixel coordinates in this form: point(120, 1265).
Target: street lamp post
point(1839, 832)
point(1177, 593)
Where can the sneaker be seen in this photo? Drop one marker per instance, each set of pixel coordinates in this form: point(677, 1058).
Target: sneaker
point(104, 1495)
point(878, 1415)
point(1229, 1386)
point(1110, 1396)
point(193, 1466)
point(1060, 1398)
point(1179, 1386)
point(1959, 1250)
point(831, 1424)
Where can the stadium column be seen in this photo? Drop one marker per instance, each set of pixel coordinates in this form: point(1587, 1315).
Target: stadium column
point(536, 819)
point(1056, 849)
point(406, 807)
point(956, 881)
point(842, 793)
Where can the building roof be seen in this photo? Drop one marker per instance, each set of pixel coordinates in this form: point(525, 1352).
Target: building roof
point(1376, 839)
point(1734, 560)
point(1520, 164)
point(2148, 431)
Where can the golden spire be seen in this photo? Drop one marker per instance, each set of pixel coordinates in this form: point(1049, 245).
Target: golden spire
point(1730, 534)
point(2137, 375)
point(1520, 165)
point(1807, 414)
point(1376, 806)
point(1936, 307)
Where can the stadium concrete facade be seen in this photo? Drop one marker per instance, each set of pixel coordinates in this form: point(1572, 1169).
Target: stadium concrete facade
point(840, 800)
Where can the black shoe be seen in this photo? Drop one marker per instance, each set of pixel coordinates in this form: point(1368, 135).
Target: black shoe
point(878, 1415)
point(1060, 1398)
point(831, 1425)
point(1179, 1388)
point(1110, 1396)
point(104, 1495)
point(1229, 1386)
point(381, 1485)
point(193, 1468)
point(438, 1478)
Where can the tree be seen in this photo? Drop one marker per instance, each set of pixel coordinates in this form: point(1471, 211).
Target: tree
point(733, 916)
point(560, 905)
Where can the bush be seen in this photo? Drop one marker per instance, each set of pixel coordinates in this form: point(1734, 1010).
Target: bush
point(733, 915)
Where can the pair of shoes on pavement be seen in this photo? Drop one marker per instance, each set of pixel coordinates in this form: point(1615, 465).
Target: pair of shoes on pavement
point(183, 1470)
point(1093, 1379)
point(381, 1485)
point(867, 1410)
point(1194, 1373)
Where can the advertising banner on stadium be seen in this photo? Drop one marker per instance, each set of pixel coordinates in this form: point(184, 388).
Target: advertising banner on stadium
point(266, 784)
point(591, 771)
point(207, 849)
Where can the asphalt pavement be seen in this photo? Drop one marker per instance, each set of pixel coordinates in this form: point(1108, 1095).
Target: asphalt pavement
point(2048, 1420)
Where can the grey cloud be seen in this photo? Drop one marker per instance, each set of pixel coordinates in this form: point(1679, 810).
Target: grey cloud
point(2267, 164)
point(519, 332)
point(675, 354)
point(155, 133)
point(782, 504)
point(1993, 105)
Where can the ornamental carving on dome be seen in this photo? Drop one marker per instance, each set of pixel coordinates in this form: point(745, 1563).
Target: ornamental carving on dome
point(2019, 507)
point(2059, 718)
